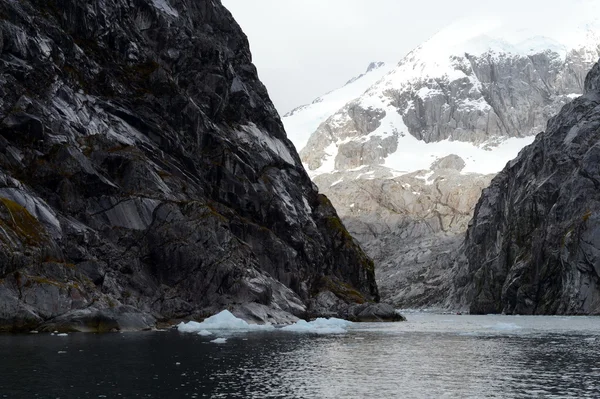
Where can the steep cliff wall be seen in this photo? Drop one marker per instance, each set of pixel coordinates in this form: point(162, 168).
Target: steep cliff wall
point(533, 245)
point(145, 174)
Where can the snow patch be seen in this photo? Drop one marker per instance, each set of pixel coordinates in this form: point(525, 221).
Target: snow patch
point(337, 182)
point(328, 163)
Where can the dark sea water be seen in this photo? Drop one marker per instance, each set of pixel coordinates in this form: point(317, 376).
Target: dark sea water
point(430, 356)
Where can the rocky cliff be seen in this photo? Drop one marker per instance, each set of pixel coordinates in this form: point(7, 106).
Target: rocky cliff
point(145, 175)
point(533, 245)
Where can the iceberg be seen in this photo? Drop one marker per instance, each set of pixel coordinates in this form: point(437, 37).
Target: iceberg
point(221, 321)
point(320, 326)
point(219, 340)
point(204, 333)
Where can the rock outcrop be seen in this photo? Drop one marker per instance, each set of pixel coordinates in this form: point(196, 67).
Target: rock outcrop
point(145, 175)
point(533, 245)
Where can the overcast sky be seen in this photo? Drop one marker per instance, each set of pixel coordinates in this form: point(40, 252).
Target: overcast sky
point(304, 48)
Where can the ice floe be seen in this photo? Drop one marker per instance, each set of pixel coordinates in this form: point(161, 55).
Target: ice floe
point(320, 326)
point(226, 321)
point(222, 321)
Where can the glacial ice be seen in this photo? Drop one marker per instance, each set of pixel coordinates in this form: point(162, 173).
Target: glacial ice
point(226, 321)
point(221, 321)
point(219, 340)
point(320, 326)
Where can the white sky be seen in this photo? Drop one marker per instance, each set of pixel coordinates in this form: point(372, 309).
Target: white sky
point(304, 48)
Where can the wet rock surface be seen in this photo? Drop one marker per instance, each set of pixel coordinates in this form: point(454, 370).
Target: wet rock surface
point(145, 175)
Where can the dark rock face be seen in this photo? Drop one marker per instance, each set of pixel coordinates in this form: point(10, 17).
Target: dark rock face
point(145, 174)
point(533, 246)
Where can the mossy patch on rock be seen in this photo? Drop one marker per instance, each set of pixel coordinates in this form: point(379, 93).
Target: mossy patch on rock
point(342, 290)
point(18, 219)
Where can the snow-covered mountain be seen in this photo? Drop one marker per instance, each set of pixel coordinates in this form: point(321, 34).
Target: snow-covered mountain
point(478, 89)
point(405, 161)
point(302, 121)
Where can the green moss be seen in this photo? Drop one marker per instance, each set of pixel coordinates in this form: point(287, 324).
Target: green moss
point(51, 259)
point(368, 264)
point(19, 220)
point(43, 281)
point(342, 290)
point(334, 223)
point(212, 210)
point(323, 200)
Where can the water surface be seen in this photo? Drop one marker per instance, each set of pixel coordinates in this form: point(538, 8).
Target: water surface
point(428, 356)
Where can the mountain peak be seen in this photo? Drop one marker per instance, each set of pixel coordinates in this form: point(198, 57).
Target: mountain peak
point(374, 65)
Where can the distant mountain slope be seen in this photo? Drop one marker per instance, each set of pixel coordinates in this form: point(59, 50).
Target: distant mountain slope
point(302, 121)
point(405, 162)
point(477, 90)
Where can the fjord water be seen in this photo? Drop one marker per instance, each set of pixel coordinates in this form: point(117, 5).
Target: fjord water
point(427, 356)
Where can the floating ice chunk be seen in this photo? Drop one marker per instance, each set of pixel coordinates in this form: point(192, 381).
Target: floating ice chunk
point(62, 335)
point(204, 333)
point(219, 340)
point(320, 326)
point(222, 321)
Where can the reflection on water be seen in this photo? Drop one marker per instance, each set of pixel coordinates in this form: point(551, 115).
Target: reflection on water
point(428, 356)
